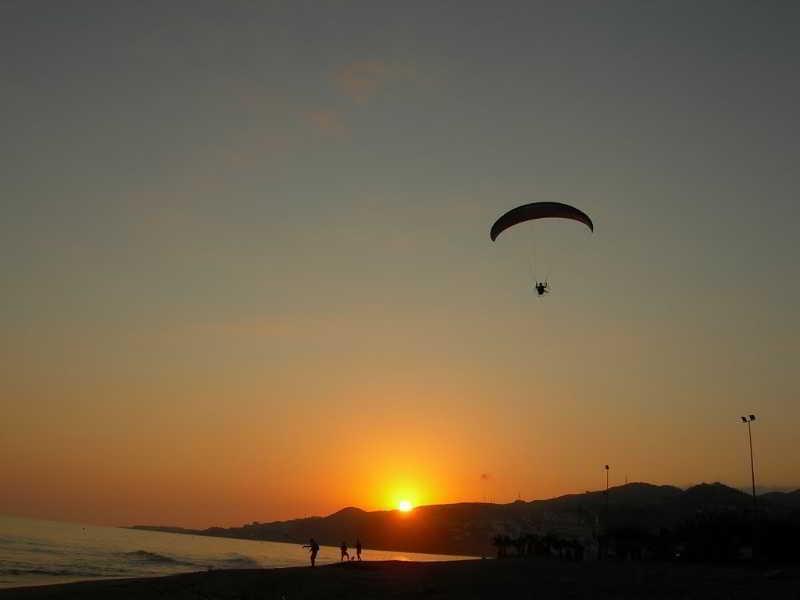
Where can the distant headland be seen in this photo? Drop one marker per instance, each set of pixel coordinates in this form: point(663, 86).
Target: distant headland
point(473, 528)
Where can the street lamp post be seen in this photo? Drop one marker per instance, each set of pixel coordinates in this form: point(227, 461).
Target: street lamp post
point(603, 540)
point(749, 419)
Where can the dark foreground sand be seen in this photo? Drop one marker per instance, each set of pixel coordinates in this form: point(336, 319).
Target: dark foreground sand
point(517, 579)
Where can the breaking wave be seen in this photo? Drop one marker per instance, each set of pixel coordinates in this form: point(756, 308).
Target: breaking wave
point(143, 556)
point(238, 561)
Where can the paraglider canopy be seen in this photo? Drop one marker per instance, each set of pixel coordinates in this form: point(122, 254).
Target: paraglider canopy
point(539, 210)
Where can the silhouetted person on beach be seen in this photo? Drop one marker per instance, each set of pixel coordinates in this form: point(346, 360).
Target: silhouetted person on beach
point(541, 288)
point(358, 548)
point(343, 548)
point(313, 548)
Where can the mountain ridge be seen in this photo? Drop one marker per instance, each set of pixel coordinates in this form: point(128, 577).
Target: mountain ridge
point(467, 528)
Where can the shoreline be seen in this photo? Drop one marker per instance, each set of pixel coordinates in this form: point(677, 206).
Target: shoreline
point(444, 580)
point(300, 540)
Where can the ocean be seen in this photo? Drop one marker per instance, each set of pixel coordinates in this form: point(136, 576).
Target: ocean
point(37, 552)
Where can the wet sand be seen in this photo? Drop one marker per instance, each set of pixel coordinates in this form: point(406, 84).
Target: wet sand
point(461, 579)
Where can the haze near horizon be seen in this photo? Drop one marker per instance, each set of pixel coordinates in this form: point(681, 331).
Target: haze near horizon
point(247, 272)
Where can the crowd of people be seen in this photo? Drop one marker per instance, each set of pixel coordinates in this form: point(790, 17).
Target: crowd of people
point(313, 549)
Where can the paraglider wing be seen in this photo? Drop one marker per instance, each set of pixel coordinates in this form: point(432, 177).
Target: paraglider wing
point(539, 210)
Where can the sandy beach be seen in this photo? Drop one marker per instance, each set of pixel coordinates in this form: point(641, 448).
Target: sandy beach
point(461, 579)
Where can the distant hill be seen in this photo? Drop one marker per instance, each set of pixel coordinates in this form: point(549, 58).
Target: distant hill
point(790, 500)
point(468, 528)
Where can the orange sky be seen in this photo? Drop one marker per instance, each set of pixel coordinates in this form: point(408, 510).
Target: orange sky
point(247, 272)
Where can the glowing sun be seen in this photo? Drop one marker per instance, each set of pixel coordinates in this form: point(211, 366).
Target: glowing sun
point(404, 505)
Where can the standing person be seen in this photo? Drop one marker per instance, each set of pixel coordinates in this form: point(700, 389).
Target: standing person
point(343, 548)
point(313, 548)
point(358, 548)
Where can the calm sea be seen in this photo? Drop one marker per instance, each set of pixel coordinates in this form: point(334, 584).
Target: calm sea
point(34, 552)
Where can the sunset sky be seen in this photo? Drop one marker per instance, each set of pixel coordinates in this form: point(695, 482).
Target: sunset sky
point(246, 269)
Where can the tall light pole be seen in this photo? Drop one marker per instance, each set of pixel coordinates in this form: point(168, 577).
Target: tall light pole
point(749, 419)
point(603, 540)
